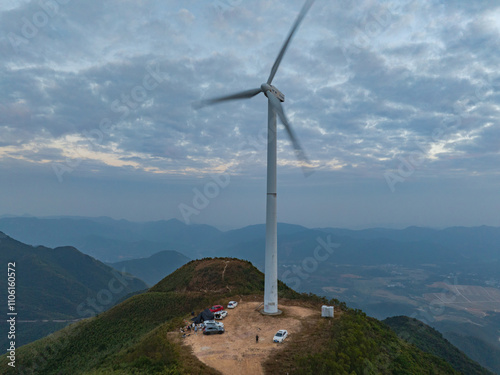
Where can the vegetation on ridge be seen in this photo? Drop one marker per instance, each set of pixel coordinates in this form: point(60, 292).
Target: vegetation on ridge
point(58, 284)
point(135, 337)
point(431, 341)
point(354, 344)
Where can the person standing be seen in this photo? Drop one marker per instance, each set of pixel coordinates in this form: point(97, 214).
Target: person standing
point(256, 338)
point(196, 330)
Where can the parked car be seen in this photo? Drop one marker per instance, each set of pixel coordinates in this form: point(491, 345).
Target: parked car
point(280, 336)
point(213, 328)
point(232, 304)
point(213, 322)
point(220, 314)
point(216, 308)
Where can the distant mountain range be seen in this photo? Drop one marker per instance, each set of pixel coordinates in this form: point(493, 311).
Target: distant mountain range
point(385, 272)
point(111, 240)
point(116, 240)
point(152, 269)
point(467, 241)
point(59, 284)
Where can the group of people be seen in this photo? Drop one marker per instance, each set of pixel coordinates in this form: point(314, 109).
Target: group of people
point(199, 327)
point(191, 327)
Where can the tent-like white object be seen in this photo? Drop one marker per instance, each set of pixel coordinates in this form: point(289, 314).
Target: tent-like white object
point(326, 311)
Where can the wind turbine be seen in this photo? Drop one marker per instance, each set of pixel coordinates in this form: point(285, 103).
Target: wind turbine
point(275, 98)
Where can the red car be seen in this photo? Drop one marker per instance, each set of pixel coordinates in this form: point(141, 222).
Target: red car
point(216, 308)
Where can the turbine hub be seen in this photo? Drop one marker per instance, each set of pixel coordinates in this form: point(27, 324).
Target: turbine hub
point(267, 87)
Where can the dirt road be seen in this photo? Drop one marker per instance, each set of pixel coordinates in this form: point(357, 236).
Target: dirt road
point(235, 351)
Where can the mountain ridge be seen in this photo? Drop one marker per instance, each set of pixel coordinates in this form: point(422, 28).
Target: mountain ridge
point(153, 268)
point(383, 271)
point(139, 334)
point(52, 284)
point(432, 341)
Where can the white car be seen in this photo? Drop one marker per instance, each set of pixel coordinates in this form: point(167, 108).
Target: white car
point(213, 323)
point(232, 304)
point(280, 336)
point(220, 314)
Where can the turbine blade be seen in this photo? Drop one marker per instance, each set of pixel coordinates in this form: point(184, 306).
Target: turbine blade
point(239, 95)
point(299, 151)
point(295, 26)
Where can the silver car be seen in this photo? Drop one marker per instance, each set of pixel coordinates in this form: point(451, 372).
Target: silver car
point(213, 328)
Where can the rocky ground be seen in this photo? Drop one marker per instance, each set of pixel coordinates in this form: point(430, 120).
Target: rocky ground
point(236, 351)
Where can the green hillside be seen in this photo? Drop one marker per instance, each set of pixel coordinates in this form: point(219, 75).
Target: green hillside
point(355, 344)
point(59, 284)
point(480, 350)
point(52, 283)
point(431, 341)
point(133, 337)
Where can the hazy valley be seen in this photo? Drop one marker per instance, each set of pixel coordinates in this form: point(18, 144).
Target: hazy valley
point(448, 278)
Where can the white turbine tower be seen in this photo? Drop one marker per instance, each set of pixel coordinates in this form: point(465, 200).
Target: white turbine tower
point(275, 98)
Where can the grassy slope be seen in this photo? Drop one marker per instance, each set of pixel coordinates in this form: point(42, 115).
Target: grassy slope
point(116, 339)
point(478, 349)
point(52, 283)
point(353, 343)
point(431, 341)
point(133, 338)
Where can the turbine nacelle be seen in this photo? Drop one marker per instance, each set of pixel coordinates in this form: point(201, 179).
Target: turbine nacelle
point(265, 87)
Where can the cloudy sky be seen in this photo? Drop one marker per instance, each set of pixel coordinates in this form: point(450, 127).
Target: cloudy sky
point(396, 104)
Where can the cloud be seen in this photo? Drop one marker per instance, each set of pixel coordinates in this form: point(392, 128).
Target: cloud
point(110, 85)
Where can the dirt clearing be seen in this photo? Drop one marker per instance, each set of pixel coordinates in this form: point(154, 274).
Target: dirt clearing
point(235, 351)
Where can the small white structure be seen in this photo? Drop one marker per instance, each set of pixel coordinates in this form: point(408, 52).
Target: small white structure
point(326, 311)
